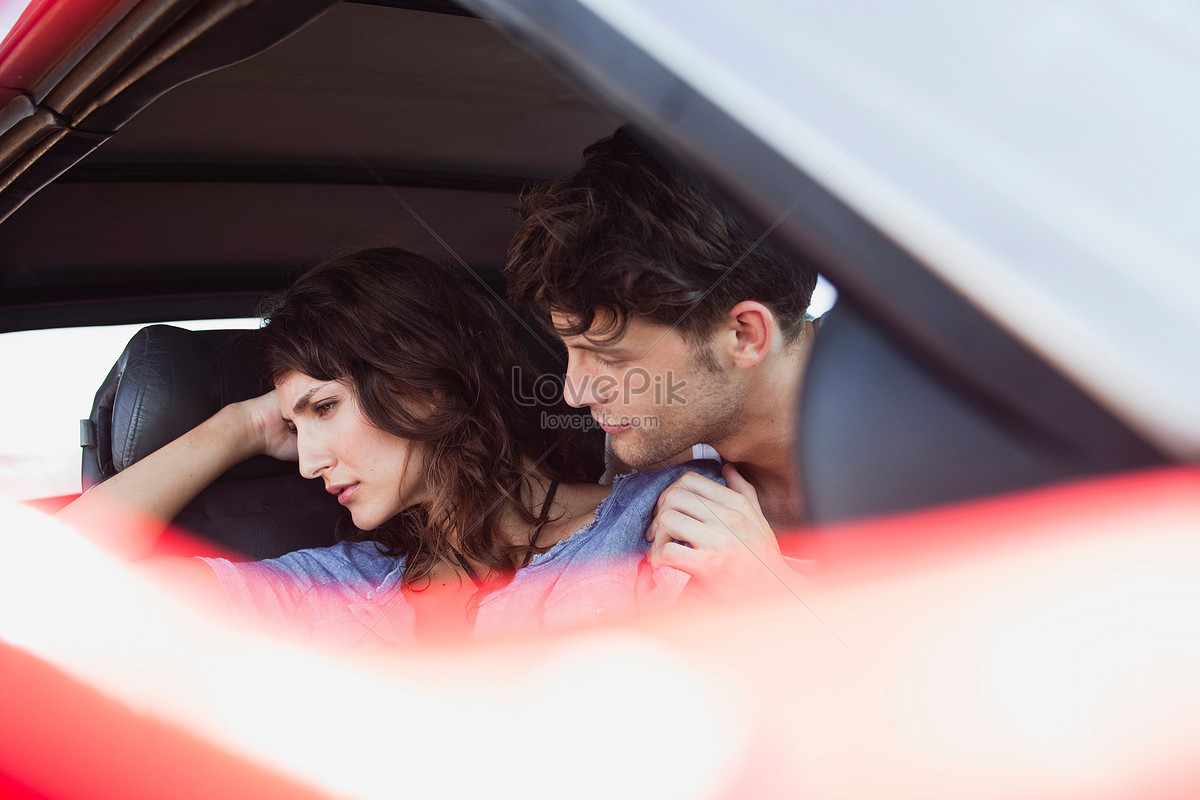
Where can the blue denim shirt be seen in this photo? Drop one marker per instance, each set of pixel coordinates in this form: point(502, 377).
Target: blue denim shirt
point(349, 595)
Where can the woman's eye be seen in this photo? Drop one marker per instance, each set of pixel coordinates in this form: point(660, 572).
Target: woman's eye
point(291, 428)
point(323, 409)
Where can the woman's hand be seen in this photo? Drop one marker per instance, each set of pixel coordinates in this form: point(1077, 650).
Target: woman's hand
point(265, 419)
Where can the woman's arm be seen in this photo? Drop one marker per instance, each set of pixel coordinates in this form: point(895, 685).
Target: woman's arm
point(128, 513)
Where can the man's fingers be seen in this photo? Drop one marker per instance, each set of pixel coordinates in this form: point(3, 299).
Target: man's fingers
point(724, 509)
point(705, 488)
point(685, 501)
point(674, 554)
point(675, 526)
point(735, 481)
point(683, 495)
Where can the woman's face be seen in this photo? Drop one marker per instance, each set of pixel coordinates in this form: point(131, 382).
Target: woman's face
point(373, 473)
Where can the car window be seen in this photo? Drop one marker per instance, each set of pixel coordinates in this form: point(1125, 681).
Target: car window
point(39, 423)
point(824, 296)
point(39, 416)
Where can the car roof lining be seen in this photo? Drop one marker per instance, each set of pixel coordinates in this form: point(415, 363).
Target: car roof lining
point(239, 176)
point(348, 88)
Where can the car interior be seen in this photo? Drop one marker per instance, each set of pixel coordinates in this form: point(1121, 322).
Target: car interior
point(409, 124)
point(224, 148)
point(167, 381)
point(1001, 548)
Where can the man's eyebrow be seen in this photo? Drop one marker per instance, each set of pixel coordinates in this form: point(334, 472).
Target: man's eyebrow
point(596, 347)
point(304, 398)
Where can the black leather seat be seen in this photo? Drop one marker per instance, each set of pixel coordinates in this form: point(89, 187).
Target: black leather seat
point(882, 432)
point(167, 381)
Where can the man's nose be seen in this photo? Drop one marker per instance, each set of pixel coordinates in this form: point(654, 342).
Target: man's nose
point(583, 386)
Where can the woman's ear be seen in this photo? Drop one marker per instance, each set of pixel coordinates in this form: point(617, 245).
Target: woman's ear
point(753, 332)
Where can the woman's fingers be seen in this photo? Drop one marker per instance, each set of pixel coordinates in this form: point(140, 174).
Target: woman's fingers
point(266, 417)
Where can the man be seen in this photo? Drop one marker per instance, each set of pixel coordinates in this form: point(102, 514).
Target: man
point(684, 324)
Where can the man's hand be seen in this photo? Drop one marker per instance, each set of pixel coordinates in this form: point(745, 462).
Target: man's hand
point(718, 535)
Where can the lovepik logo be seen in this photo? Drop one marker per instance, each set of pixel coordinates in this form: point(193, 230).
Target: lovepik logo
point(548, 390)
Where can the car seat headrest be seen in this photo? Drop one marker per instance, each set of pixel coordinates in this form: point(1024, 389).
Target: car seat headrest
point(167, 381)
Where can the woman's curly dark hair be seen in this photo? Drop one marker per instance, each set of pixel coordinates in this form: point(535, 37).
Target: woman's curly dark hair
point(429, 361)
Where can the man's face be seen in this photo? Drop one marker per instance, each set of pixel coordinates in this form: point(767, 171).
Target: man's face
point(654, 393)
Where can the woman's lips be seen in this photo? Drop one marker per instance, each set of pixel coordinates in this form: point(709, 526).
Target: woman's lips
point(343, 493)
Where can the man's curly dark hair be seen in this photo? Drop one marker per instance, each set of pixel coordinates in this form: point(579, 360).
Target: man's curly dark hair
point(635, 235)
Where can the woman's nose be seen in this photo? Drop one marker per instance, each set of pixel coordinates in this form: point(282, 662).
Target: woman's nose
point(314, 458)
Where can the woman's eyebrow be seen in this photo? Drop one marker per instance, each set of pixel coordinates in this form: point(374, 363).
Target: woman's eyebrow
point(304, 398)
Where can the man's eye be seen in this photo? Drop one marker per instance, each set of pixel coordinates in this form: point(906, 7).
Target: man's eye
point(291, 428)
point(608, 361)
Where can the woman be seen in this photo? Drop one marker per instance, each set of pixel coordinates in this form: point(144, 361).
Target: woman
point(394, 384)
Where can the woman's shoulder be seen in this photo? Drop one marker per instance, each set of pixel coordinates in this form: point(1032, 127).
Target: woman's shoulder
point(651, 483)
point(622, 517)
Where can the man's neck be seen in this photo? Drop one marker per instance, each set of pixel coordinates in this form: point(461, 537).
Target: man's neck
point(761, 448)
point(779, 492)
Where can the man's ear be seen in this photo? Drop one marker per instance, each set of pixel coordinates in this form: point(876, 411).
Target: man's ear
point(751, 330)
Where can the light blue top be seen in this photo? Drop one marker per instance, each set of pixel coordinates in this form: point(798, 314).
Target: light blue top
point(348, 596)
